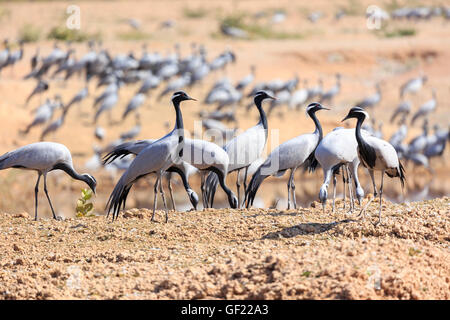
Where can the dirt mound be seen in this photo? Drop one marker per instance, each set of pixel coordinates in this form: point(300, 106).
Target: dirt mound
point(230, 254)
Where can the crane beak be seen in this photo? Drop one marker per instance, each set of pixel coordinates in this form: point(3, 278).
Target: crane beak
point(273, 98)
point(345, 118)
point(190, 98)
point(323, 108)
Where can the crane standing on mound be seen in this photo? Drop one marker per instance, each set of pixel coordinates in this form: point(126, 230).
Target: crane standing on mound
point(376, 155)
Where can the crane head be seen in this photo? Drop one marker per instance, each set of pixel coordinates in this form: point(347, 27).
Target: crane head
point(90, 181)
point(232, 199)
point(356, 112)
point(193, 197)
point(314, 107)
point(261, 95)
point(181, 96)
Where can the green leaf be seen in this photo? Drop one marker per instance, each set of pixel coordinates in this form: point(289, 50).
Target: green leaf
point(88, 207)
point(88, 195)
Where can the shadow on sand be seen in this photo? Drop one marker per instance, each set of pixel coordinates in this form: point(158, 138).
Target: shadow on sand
point(305, 229)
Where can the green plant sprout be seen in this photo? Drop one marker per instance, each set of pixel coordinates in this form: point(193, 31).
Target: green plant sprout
point(85, 208)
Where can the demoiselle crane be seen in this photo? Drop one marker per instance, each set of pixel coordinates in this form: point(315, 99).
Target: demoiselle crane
point(372, 100)
point(43, 114)
point(338, 149)
point(107, 105)
point(376, 155)
point(80, 96)
point(243, 150)
point(329, 95)
point(296, 152)
point(156, 158)
point(134, 104)
point(425, 108)
point(40, 87)
point(404, 108)
point(412, 85)
point(55, 125)
point(135, 147)
point(44, 157)
point(202, 155)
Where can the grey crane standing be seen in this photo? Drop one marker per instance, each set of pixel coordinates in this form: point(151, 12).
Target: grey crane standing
point(134, 104)
point(40, 87)
point(55, 125)
point(296, 152)
point(372, 100)
point(376, 155)
point(425, 108)
point(135, 147)
point(43, 114)
point(243, 150)
point(404, 108)
point(156, 158)
point(412, 85)
point(329, 95)
point(338, 149)
point(44, 157)
point(80, 96)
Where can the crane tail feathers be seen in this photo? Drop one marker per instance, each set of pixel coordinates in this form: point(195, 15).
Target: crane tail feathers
point(118, 152)
point(117, 199)
point(210, 187)
point(402, 174)
point(311, 163)
point(253, 187)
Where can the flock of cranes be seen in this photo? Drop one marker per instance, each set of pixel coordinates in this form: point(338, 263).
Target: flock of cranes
point(158, 157)
point(341, 151)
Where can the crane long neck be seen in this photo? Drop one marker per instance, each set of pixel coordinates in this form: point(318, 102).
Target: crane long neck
point(359, 137)
point(262, 114)
point(71, 172)
point(318, 125)
point(179, 118)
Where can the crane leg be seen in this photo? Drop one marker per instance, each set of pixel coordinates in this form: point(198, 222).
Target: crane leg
point(155, 198)
point(334, 192)
point(245, 184)
point(293, 188)
point(202, 188)
point(350, 190)
point(289, 191)
point(48, 198)
point(344, 181)
point(36, 191)
point(381, 196)
point(161, 190)
point(169, 184)
point(363, 210)
point(238, 185)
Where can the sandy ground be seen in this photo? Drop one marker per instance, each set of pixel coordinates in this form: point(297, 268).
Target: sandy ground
point(254, 254)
